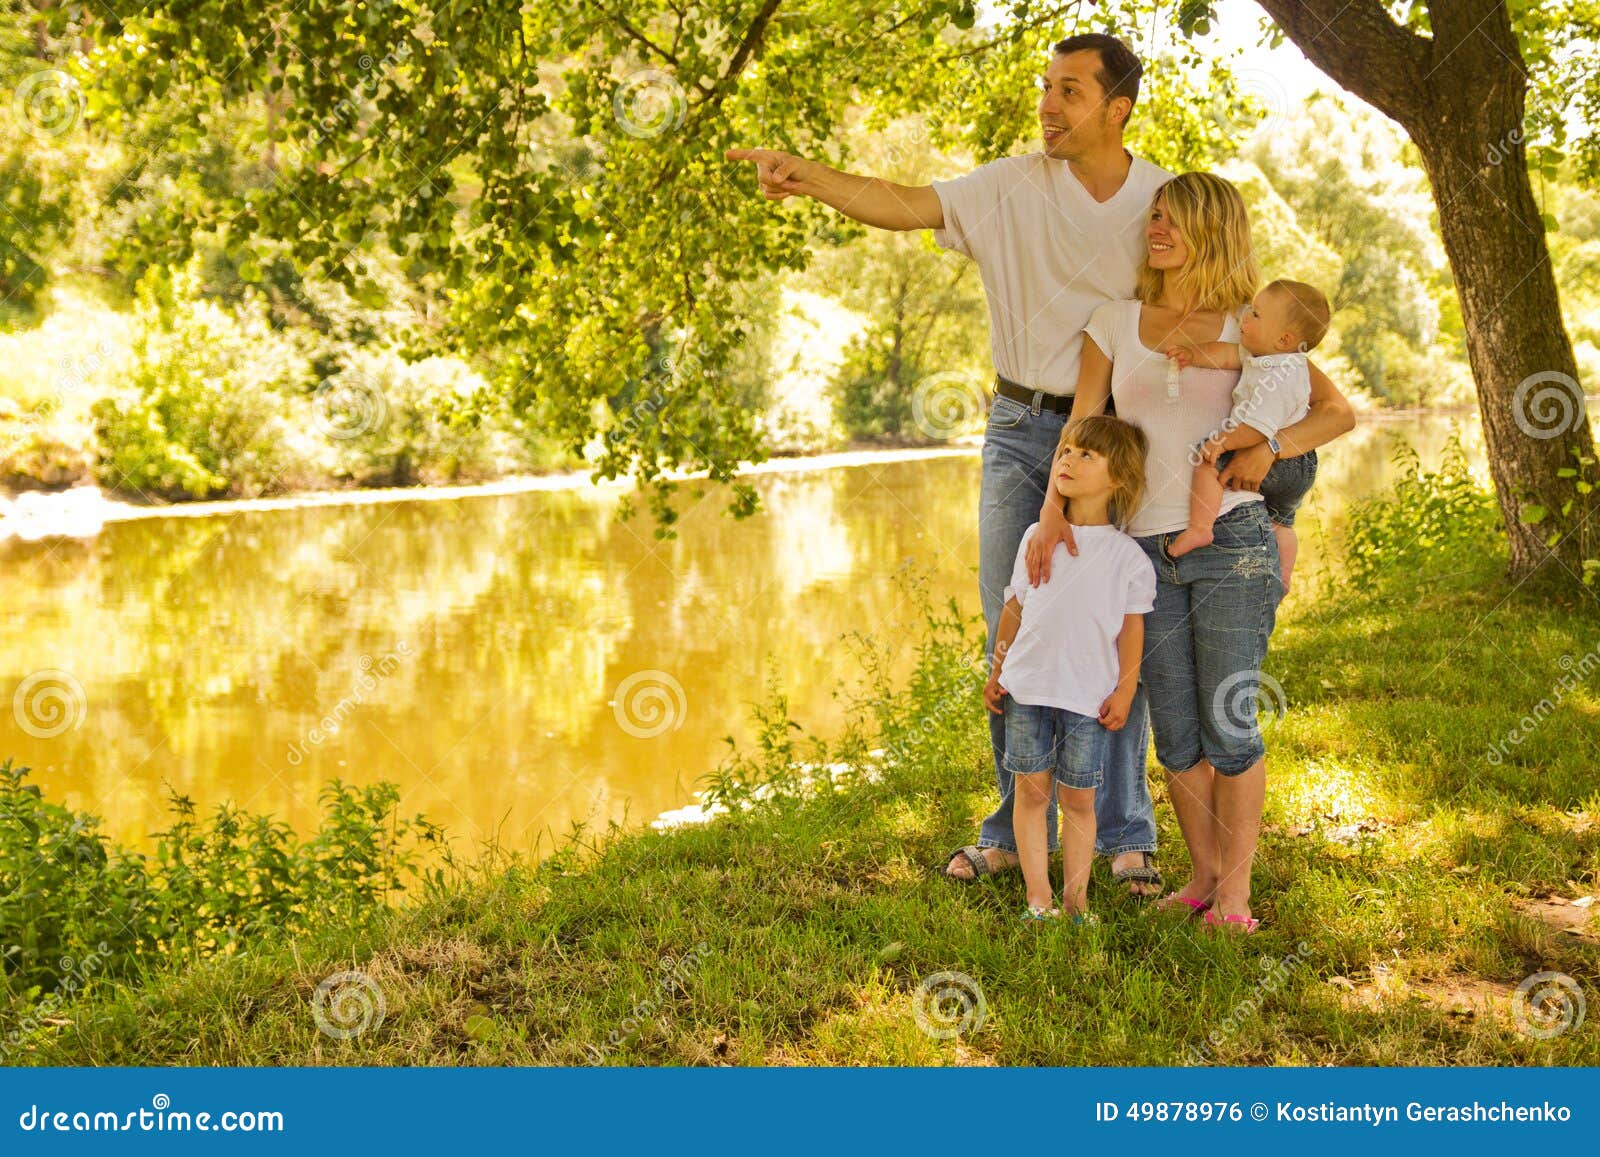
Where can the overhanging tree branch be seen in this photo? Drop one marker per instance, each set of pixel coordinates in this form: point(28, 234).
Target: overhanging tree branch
point(1361, 48)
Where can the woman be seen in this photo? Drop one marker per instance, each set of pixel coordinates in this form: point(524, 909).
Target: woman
point(1206, 640)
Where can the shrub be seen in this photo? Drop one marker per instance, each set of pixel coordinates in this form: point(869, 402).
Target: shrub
point(398, 423)
point(67, 895)
point(205, 409)
point(1428, 524)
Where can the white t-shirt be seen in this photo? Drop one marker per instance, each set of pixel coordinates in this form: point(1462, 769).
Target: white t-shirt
point(1274, 391)
point(1065, 652)
point(1048, 253)
point(1139, 387)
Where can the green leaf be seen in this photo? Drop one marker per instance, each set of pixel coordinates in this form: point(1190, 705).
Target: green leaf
point(1532, 514)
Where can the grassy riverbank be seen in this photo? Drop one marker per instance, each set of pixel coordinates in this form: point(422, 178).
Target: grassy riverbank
point(1432, 809)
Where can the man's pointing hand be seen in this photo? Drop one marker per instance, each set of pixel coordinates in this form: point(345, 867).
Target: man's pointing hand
point(781, 174)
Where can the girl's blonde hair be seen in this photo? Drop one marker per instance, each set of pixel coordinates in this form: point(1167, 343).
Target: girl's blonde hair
point(1215, 226)
point(1123, 445)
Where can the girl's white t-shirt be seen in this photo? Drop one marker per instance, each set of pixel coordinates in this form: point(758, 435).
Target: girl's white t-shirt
point(1139, 387)
point(1065, 652)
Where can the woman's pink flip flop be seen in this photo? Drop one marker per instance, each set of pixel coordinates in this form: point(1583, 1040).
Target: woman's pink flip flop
point(1247, 924)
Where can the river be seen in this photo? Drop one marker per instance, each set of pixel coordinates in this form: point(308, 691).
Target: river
point(515, 662)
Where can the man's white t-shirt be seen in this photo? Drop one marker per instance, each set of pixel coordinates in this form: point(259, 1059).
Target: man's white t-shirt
point(1065, 652)
point(1048, 253)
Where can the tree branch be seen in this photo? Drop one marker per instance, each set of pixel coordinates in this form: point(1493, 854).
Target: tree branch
point(750, 44)
point(667, 55)
point(1051, 16)
point(1362, 49)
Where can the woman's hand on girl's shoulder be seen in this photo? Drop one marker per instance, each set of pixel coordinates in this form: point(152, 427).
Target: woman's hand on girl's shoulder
point(1053, 528)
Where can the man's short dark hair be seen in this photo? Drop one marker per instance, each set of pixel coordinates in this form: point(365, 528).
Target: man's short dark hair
point(1119, 70)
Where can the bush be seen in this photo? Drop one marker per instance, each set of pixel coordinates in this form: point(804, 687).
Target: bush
point(205, 410)
point(398, 423)
point(1427, 525)
point(42, 451)
point(67, 896)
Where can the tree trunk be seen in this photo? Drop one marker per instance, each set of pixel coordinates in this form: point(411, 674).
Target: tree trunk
point(1494, 237)
point(41, 30)
point(1461, 97)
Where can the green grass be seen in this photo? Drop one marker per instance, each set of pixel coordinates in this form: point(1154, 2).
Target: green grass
point(1392, 878)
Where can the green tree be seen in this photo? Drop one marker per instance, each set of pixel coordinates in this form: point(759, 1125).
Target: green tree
point(562, 166)
point(1474, 83)
point(40, 161)
point(1343, 171)
point(925, 314)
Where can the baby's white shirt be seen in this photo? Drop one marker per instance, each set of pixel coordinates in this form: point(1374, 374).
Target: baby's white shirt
point(1274, 391)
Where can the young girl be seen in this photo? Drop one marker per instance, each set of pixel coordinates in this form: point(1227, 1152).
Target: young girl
point(1066, 656)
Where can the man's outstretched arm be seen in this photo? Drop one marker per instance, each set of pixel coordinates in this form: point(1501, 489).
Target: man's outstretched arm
point(870, 200)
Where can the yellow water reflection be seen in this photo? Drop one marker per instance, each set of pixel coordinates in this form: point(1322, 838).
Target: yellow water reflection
point(514, 662)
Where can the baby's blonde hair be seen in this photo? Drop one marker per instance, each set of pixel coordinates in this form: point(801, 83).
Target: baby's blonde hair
point(1309, 314)
point(1124, 446)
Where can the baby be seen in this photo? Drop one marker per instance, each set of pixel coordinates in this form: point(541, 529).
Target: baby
point(1286, 319)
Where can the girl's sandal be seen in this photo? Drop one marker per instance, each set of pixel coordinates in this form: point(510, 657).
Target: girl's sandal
point(1032, 914)
point(1085, 920)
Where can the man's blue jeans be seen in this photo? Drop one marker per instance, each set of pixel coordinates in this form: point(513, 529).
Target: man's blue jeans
point(1017, 447)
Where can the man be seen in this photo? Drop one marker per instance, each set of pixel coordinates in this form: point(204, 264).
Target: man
point(1055, 233)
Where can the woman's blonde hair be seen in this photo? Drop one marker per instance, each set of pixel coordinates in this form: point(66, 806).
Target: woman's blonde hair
point(1123, 445)
point(1215, 226)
